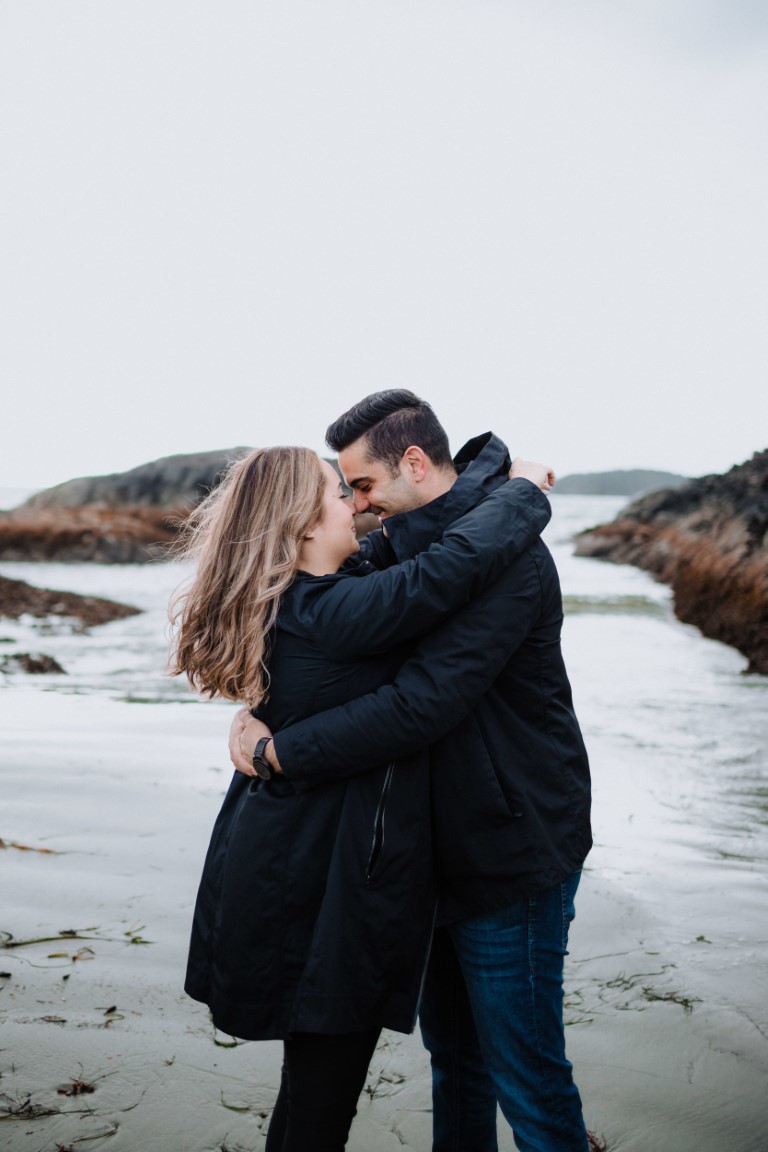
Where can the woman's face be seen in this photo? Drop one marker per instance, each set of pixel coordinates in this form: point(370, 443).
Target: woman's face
point(336, 530)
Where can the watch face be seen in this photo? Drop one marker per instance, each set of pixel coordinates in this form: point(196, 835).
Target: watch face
point(262, 766)
point(262, 769)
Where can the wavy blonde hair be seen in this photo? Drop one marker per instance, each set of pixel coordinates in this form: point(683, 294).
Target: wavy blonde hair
point(245, 536)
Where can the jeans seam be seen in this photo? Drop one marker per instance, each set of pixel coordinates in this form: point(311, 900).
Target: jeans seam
point(455, 1059)
point(563, 928)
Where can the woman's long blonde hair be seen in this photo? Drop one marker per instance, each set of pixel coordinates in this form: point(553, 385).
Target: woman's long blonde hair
point(245, 536)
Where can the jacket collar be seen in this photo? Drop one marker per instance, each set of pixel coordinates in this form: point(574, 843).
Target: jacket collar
point(483, 463)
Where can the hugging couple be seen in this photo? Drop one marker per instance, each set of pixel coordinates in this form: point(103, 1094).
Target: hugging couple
point(404, 834)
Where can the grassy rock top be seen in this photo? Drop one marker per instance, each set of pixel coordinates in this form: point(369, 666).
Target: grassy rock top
point(171, 482)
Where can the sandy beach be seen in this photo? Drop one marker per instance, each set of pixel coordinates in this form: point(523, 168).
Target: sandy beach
point(107, 806)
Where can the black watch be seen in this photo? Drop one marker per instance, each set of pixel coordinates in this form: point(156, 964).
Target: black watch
point(261, 765)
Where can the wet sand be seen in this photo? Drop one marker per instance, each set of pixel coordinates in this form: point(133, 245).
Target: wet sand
point(666, 991)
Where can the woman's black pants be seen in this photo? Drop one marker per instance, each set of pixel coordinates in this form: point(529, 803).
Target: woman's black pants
point(321, 1082)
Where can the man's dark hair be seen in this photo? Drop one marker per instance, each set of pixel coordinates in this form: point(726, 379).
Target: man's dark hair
point(392, 421)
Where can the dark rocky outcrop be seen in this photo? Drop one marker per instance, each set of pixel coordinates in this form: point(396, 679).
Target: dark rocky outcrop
point(125, 518)
point(17, 598)
point(35, 663)
point(707, 539)
point(171, 482)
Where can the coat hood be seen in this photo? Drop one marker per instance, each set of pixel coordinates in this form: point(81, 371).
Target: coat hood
point(482, 464)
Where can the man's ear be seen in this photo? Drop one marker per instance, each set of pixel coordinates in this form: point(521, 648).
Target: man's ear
point(416, 463)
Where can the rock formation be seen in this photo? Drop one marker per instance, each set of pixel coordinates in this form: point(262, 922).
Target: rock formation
point(125, 518)
point(108, 535)
point(17, 598)
point(171, 482)
point(34, 663)
point(707, 539)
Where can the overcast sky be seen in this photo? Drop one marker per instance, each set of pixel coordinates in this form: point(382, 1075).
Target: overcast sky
point(223, 223)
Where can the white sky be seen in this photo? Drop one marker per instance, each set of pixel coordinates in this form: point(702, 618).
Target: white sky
point(223, 223)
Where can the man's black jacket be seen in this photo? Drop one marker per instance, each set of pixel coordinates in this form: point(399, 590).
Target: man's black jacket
point(488, 692)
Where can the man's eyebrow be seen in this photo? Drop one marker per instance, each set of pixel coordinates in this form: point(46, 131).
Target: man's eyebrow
point(356, 481)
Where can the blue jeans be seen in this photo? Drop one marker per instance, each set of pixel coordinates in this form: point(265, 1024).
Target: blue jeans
point(492, 1021)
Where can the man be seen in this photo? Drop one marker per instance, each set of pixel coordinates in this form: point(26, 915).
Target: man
point(510, 786)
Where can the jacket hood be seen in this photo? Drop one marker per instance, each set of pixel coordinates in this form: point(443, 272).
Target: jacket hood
point(482, 464)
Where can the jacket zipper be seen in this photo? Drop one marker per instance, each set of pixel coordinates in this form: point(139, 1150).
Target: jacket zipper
point(378, 825)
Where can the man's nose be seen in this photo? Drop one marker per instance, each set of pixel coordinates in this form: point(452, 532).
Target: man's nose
point(360, 502)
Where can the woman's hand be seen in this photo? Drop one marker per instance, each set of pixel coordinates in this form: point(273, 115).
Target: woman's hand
point(539, 474)
point(244, 733)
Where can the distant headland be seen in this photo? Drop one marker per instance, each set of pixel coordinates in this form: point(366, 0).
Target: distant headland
point(623, 482)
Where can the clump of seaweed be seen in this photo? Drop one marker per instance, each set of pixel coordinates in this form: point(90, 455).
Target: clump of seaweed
point(76, 1087)
point(685, 1002)
point(7, 939)
point(22, 1108)
point(28, 848)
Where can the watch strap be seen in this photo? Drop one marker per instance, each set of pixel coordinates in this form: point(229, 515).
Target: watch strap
point(261, 765)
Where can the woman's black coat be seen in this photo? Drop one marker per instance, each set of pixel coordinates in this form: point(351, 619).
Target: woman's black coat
point(315, 907)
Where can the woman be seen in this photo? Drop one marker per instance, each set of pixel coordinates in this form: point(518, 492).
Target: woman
point(310, 925)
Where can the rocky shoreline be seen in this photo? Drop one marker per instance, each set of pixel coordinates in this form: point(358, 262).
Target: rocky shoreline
point(132, 534)
point(124, 518)
point(17, 598)
point(707, 539)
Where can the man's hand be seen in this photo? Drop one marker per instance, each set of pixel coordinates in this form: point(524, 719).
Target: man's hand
point(244, 734)
point(242, 763)
point(539, 474)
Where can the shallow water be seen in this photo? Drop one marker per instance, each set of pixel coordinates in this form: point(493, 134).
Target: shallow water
point(125, 659)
